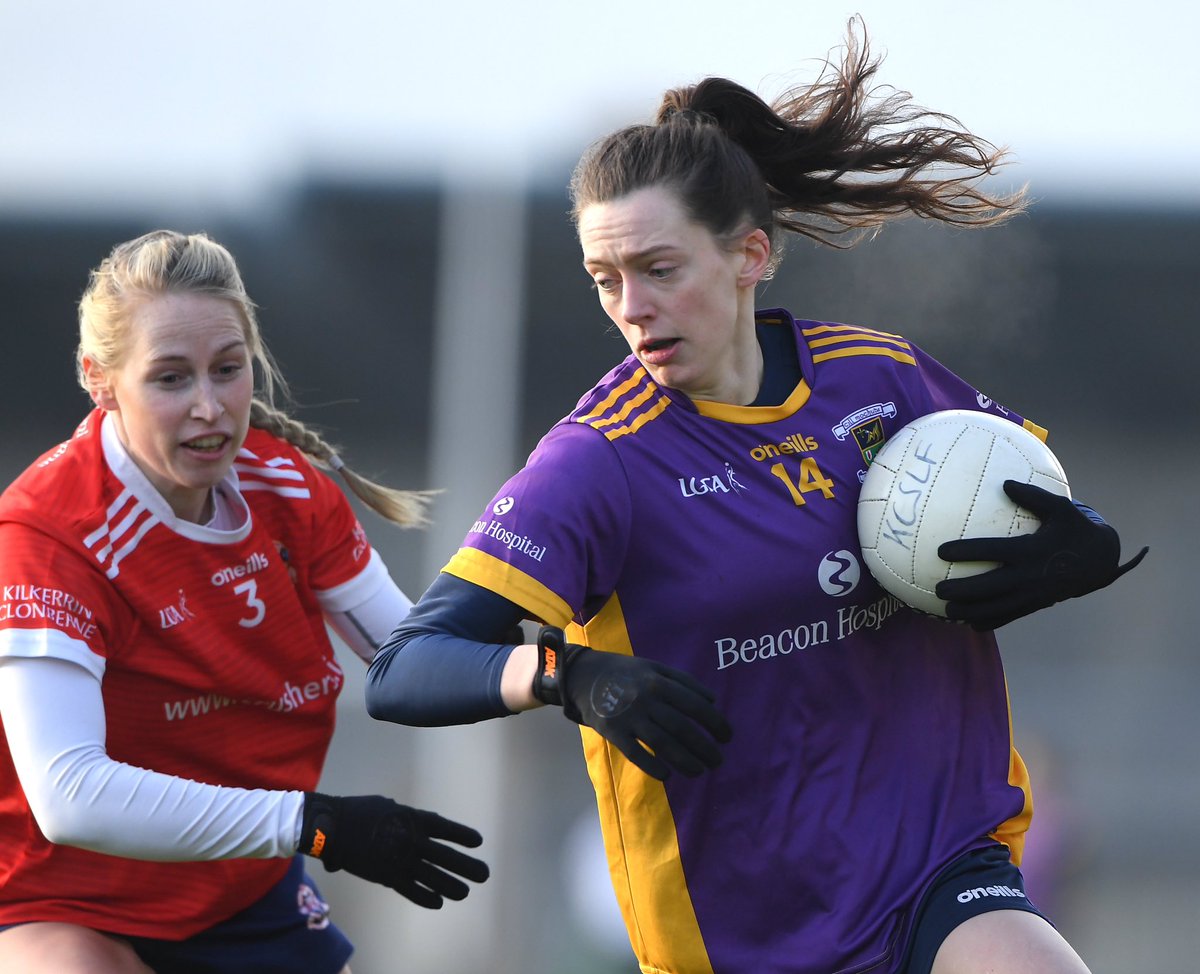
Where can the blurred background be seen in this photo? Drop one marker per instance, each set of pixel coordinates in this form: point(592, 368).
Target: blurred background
point(392, 178)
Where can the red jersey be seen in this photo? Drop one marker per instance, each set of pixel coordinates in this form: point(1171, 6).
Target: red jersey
point(211, 646)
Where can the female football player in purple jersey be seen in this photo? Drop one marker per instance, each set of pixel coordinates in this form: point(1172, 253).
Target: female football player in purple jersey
point(848, 796)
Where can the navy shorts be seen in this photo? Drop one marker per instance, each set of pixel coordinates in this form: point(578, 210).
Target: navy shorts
point(288, 931)
point(981, 881)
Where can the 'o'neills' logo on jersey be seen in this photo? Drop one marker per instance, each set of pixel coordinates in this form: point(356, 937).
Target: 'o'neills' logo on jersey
point(231, 573)
point(973, 894)
point(726, 483)
point(794, 443)
point(58, 452)
point(510, 539)
point(37, 603)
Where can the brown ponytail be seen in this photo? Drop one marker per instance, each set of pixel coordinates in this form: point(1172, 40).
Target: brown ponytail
point(832, 160)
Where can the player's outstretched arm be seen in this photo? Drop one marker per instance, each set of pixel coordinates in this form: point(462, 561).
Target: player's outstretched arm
point(81, 797)
point(445, 662)
point(1072, 553)
point(457, 659)
point(659, 717)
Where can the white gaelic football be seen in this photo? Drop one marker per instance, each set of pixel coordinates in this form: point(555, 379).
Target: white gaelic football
point(941, 478)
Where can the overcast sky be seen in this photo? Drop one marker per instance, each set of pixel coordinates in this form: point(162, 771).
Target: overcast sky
point(226, 102)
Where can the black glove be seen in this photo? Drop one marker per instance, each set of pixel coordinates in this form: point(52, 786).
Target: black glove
point(659, 717)
point(1069, 555)
point(377, 839)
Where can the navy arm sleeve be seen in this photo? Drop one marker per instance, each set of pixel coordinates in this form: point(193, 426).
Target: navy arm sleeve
point(442, 664)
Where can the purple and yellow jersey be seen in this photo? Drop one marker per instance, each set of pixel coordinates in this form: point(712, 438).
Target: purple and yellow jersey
point(871, 745)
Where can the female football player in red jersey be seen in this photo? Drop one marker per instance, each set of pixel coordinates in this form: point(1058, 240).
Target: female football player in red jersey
point(848, 795)
point(167, 681)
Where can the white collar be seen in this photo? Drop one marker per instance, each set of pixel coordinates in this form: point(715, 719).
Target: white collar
point(231, 515)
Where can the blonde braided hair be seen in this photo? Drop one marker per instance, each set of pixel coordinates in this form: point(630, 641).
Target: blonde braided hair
point(404, 507)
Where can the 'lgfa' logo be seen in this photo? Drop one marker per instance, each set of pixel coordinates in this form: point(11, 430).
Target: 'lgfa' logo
point(716, 484)
point(171, 616)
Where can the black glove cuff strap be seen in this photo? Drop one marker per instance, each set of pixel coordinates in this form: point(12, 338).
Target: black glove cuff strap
point(547, 682)
point(316, 826)
point(555, 656)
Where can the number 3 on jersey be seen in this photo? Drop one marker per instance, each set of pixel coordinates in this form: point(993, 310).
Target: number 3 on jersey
point(256, 605)
point(811, 478)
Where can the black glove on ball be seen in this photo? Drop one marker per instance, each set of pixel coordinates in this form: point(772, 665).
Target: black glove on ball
point(1069, 555)
point(659, 717)
point(379, 840)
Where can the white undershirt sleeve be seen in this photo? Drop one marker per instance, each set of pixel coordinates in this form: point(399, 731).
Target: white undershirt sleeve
point(54, 719)
point(365, 610)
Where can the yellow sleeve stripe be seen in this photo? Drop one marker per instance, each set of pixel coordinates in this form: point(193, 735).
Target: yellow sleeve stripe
point(613, 396)
point(640, 399)
point(618, 423)
point(843, 334)
point(641, 420)
point(858, 337)
point(498, 576)
point(851, 330)
point(866, 350)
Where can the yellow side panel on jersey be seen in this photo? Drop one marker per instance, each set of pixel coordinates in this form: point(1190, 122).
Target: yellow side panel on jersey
point(1012, 832)
point(639, 829)
point(502, 578)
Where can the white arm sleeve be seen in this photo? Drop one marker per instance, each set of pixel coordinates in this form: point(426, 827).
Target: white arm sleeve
point(365, 610)
point(81, 797)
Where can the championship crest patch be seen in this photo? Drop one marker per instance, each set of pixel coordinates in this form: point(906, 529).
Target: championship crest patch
point(866, 426)
point(869, 437)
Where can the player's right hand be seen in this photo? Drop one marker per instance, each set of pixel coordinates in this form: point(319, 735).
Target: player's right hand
point(659, 717)
point(391, 844)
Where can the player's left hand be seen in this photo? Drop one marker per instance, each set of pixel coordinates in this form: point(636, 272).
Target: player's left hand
point(661, 718)
point(1069, 555)
point(403, 848)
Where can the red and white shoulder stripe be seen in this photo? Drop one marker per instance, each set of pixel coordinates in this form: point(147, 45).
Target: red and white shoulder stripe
point(279, 475)
point(126, 521)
